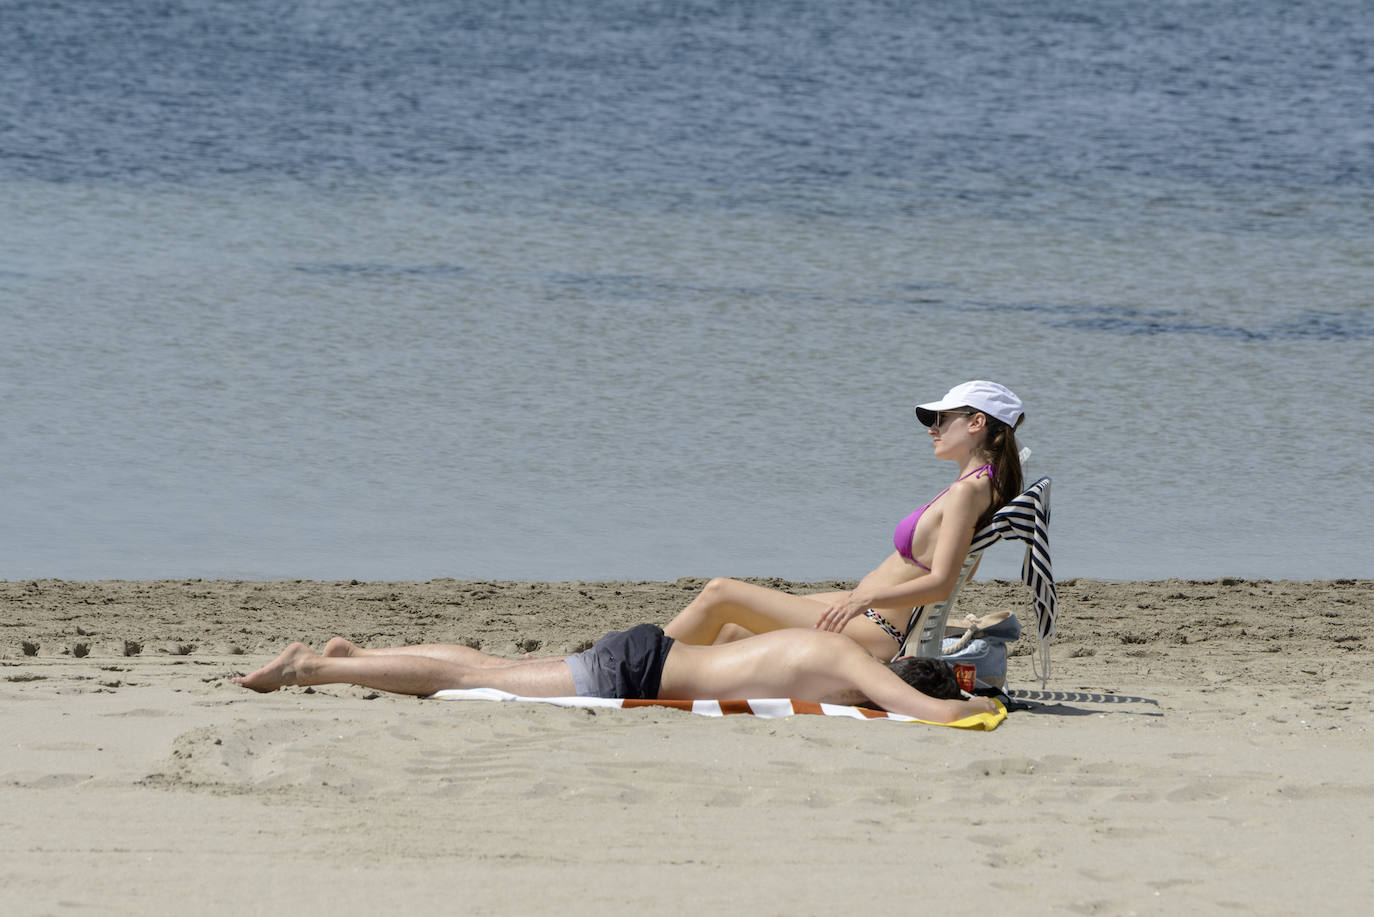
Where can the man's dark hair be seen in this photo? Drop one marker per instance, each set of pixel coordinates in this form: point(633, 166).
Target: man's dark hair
point(932, 677)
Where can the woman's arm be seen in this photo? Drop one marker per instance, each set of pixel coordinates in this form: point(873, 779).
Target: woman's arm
point(960, 508)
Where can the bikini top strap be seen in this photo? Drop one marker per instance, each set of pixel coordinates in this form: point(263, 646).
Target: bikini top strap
point(992, 472)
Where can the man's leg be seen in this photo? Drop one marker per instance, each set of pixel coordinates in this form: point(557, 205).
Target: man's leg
point(448, 652)
point(411, 674)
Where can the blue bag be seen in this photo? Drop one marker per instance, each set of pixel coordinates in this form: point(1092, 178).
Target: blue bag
point(984, 646)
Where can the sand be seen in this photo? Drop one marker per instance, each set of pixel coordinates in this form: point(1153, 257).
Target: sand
point(1204, 747)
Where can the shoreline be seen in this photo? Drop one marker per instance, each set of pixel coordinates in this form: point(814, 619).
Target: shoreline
point(1200, 743)
point(1100, 621)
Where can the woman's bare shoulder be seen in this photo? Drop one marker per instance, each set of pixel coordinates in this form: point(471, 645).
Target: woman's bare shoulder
point(972, 490)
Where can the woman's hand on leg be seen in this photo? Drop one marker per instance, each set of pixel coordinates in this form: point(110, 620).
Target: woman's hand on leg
point(841, 611)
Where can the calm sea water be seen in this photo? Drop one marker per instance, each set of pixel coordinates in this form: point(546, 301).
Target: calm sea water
point(644, 290)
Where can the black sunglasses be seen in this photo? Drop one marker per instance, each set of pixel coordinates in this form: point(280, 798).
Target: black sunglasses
point(941, 416)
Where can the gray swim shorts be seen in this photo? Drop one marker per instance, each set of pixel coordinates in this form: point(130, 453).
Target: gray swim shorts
point(624, 663)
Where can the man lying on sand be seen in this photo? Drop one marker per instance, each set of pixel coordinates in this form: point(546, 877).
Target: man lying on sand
point(642, 662)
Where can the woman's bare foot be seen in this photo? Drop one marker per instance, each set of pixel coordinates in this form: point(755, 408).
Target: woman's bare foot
point(338, 646)
point(284, 670)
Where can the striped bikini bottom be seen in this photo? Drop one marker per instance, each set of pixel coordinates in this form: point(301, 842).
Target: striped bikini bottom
point(885, 624)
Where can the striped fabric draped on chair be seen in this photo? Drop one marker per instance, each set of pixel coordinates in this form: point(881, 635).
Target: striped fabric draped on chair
point(1027, 518)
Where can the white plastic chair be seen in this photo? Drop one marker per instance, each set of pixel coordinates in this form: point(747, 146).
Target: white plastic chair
point(1025, 518)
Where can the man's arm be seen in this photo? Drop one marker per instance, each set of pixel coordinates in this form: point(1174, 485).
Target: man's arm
point(886, 689)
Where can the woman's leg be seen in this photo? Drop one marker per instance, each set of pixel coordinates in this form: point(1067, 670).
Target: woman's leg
point(757, 609)
point(731, 632)
point(411, 674)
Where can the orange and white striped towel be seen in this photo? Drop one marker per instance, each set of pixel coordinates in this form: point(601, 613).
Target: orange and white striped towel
point(770, 707)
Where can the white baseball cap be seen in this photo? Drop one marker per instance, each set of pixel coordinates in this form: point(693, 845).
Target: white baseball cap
point(992, 399)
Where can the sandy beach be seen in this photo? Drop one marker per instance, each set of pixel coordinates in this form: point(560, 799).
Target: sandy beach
point(1203, 747)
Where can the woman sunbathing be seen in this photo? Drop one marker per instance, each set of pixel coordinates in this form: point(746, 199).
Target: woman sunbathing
point(643, 662)
point(974, 427)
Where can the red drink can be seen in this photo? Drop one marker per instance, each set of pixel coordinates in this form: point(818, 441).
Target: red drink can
point(964, 674)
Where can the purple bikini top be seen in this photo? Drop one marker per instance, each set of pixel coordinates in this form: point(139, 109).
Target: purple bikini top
point(906, 529)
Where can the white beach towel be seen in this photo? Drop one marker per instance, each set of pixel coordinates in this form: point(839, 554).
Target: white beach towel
point(765, 707)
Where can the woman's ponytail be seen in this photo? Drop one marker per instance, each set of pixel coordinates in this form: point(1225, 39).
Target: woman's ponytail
point(1007, 481)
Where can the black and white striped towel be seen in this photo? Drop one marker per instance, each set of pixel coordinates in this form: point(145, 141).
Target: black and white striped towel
point(1027, 518)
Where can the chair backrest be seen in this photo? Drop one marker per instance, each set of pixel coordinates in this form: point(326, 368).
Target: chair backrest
point(1024, 518)
point(925, 630)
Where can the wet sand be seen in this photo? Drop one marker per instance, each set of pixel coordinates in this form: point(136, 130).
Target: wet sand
point(1203, 747)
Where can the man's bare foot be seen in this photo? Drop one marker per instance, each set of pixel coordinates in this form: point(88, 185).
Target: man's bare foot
point(338, 646)
point(284, 670)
